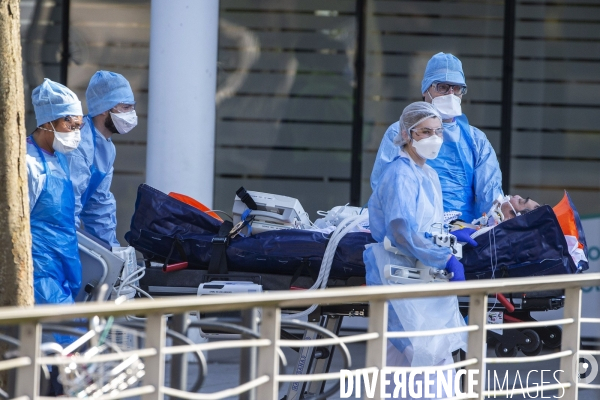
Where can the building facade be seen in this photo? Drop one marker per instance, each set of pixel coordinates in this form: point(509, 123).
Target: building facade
point(306, 88)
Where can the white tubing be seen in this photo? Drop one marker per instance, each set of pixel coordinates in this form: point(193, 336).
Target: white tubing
point(130, 281)
point(341, 230)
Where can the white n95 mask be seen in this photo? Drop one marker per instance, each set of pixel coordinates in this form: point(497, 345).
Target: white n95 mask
point(65, 142)
point(124, 122)
point(448, 106)
point(428, 148)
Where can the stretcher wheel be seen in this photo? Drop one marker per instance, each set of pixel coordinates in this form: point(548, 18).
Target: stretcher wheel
point(503, 350)
point(553, 337)
point(534, 347)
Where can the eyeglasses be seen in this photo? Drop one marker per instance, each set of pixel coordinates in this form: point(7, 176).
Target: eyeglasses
point(444, 88)
point(123, 108)
point(427, 132)
point(74, 123)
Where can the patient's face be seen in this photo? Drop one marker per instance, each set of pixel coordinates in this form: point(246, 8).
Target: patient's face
point(520, 205)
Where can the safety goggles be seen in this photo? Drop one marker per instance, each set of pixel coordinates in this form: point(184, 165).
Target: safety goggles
point(124, 108)
point(447, 88)
point(427, 132)
point(73, 123)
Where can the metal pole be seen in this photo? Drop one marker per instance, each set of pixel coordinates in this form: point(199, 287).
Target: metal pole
point(508, 57)
point(64, 33)
point(358, 98)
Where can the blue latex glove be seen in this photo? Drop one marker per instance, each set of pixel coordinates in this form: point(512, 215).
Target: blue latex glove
point(464, 235)
point(455, 266)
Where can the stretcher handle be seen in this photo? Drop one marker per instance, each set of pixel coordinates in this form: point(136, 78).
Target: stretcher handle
point(504, 301)
point(175, 267)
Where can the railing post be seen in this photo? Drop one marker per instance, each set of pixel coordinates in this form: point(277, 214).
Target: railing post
point(155, 365)
point(476, 343)
point(249, 356)
point(179, 362)
point(570, 341)
point(268, 357)
point(377, 348)
point(28, 378)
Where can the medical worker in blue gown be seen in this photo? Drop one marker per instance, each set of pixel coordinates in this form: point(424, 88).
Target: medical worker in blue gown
point(403, 207)
point(467, 165)
point(56, 265)
point(111, 110)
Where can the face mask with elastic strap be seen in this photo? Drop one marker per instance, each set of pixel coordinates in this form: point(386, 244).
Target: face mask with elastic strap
point(124, 122)
point(64, 142)
point(448, 105)
point(428, 148)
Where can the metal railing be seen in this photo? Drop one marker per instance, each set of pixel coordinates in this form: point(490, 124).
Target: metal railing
point(269, 343)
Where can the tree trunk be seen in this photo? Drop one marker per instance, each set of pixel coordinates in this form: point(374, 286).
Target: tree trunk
point(16, 268)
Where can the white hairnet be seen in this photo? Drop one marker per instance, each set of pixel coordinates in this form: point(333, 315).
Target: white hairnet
point(413, 115)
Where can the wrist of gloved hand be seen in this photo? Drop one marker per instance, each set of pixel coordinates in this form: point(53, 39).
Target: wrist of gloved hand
point(454, 266)
point(464, 235)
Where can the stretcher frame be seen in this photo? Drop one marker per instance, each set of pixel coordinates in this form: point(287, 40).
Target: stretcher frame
point(518, 308)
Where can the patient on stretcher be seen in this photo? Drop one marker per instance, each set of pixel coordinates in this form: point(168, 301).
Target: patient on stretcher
point(503, 209)
point(506, 208)
point(516, 205)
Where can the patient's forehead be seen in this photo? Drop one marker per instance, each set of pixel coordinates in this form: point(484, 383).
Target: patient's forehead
point(520, 203)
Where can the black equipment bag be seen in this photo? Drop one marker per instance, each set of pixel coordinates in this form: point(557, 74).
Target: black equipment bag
point(162, 223)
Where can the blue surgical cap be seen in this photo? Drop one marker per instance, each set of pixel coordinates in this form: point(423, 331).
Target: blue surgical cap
point(106, 90)
point(443, 68)
point(52, 101)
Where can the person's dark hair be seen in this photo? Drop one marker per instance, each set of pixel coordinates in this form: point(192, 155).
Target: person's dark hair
point(110, 125)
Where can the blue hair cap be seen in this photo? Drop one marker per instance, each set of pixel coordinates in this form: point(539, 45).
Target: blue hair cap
point(52, 101)
point(106, 90)
point(443, 67)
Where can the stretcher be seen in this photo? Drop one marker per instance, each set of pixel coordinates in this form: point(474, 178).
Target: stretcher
point(184, 247)
point(178, 235)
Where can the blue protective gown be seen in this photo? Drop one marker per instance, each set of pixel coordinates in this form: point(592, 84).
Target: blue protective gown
point(91, 166)
point(467, 167)
point(56, 265)
point(403, 207)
